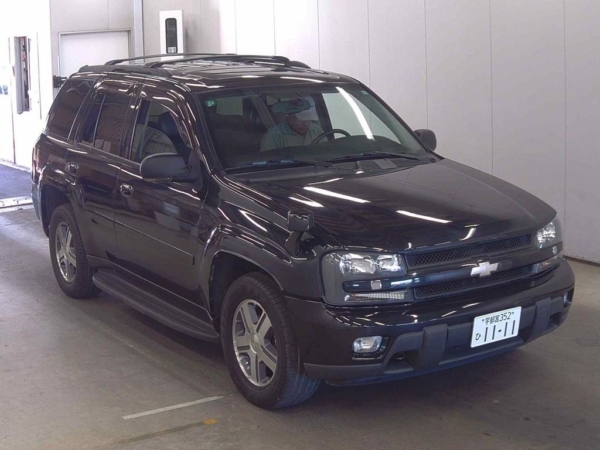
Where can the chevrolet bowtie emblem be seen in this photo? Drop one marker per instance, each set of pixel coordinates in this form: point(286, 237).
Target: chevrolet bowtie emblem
point(484, 269)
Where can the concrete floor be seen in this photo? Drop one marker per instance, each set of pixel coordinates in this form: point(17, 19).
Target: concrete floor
point(70, 370)
point(14, 182)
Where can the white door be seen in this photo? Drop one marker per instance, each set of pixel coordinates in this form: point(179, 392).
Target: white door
point(6, 122)
point(92, 48)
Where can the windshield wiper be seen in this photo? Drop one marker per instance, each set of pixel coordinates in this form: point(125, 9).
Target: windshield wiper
point(373, 155)
point(283, 161)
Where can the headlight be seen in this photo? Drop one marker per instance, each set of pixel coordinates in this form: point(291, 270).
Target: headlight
point(364, 269)
point(356, 263)
point(550, 235)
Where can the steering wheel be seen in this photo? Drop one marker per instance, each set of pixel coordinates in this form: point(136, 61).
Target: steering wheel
point(327, 133)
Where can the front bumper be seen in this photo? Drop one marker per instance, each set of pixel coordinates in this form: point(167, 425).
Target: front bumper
point(424, 338)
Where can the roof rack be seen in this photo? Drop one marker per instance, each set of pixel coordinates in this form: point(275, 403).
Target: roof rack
point(161, 55)
point(154, 68)
point(281, 60)
point(126, 69)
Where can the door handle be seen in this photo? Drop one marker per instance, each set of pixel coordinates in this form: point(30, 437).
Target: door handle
point(72, 168)
point(126, 190)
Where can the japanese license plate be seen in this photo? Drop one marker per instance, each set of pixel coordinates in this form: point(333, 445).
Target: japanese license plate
point(495, 327)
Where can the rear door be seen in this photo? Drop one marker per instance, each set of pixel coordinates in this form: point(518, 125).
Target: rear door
point(158, 223)
point(95, 161)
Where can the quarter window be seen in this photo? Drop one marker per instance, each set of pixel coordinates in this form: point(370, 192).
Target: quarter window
point(67, 106)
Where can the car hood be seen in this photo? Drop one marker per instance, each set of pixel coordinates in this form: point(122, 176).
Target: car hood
point(411, 207)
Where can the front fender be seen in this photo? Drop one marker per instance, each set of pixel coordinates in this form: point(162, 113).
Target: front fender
point(294, 276)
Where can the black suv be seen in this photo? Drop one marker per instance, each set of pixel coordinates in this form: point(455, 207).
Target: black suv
point(291, 215)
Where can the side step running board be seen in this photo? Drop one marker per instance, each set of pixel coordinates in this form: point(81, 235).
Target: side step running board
point(148, 303)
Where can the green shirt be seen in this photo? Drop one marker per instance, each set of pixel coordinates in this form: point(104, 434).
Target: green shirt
point(282, 135)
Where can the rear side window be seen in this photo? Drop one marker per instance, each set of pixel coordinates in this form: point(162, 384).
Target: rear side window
point(66, 106)
point(103, 127)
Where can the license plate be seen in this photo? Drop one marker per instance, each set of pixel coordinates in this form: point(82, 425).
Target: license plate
point(495, 327)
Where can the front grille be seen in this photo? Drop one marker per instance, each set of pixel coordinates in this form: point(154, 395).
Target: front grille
point(467, 251)
point(435, 290)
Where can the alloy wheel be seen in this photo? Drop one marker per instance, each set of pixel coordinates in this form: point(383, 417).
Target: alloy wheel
point(254, 343)
point(65, 252)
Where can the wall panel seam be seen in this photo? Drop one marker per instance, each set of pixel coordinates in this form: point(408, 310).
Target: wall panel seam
point(274, 30)
point(319, 34)
point(566, 112)
point(369, 41)
point(235, 25)
point(491, 84)
point(426, 66)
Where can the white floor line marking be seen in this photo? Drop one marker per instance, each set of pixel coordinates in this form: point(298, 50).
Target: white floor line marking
point(15, 208)
point(169, 408)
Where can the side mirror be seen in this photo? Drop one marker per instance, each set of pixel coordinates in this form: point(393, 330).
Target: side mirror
point(427, 138)
point(300, 221)
point(167, 167)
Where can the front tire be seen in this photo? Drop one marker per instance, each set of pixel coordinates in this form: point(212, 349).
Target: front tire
point(260, 346)
point(69, 261)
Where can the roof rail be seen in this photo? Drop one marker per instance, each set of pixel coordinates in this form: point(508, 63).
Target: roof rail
point(154, 68)
point(281, 60)
point(126, 69)
point(161, 55)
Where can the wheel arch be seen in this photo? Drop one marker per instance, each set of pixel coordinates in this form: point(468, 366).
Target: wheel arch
point(231, 253)
point(227, 267)
point(51, 196)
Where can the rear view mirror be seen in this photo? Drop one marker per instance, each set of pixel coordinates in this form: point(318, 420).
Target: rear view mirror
point(166, 166)
point(427, 138)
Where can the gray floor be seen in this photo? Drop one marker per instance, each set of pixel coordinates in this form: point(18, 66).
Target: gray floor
point(70, 370)
point(14, 182)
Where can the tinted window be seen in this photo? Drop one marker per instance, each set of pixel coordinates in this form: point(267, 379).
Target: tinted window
point(66, 106)
point(110, 124)
point(156, 132)
point(91, 121)
point(265, 126)
point(103, 127)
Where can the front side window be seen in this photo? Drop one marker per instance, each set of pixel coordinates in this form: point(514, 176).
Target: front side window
point(104, 124)
point(257, 127)
point(157, 131)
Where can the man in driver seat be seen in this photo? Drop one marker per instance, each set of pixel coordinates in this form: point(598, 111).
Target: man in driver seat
point(297, 128)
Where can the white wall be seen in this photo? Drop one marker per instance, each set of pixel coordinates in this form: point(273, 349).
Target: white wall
point(209, 25)
point(398, 57)
point(89, 15)
point(17, 20)
point(511, 87)
point(582, 18)
point(459, 81)
point(528, 79)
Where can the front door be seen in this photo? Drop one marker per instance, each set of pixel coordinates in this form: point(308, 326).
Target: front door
point(157, 224)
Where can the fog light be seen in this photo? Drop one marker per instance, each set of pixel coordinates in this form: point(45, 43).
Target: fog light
point(369, 297)
point(367, 344)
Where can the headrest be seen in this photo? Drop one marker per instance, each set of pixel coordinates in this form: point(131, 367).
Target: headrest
point(167, 125)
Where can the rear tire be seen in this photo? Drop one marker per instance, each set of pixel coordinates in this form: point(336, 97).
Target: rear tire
point(69, 261)
point(252, 350)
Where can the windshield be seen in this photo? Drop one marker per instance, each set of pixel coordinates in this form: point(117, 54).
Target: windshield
point(265, 126)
